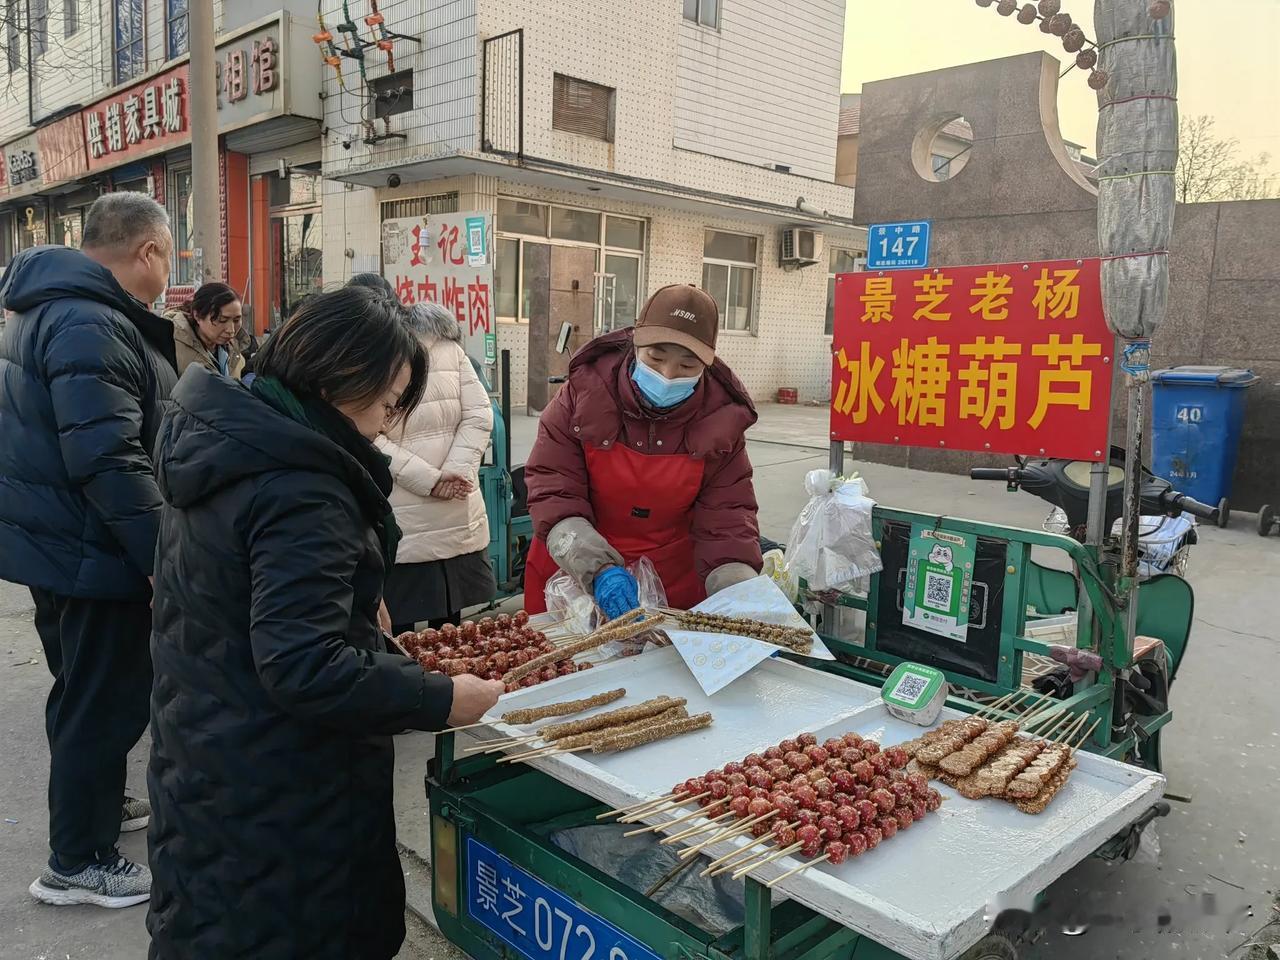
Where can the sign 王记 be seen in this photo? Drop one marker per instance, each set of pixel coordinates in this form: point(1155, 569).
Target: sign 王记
point(1004, 358)
point(427, 260)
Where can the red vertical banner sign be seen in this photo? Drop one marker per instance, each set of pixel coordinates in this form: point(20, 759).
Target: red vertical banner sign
point(1002, 358)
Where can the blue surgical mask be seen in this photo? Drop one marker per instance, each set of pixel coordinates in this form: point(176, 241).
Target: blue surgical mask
point(660, 391)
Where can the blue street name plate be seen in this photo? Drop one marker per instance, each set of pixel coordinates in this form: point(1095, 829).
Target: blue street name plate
point(537, 921)
point(898, 246)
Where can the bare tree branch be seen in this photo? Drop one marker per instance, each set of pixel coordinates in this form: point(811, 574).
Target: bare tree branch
point(1210, 168)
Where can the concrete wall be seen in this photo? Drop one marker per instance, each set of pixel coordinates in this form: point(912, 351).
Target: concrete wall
point(1021, 198)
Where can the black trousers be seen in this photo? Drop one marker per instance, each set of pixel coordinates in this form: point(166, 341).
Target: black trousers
point(99, 652)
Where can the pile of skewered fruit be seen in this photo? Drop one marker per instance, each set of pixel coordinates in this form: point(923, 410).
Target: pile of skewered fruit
point(625, 627)
point(982, 757)
point(827, 801)
point(621, 729)
point(796, 639)
point(490, 649)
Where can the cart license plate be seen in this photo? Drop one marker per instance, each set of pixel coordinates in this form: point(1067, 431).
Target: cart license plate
point(536, 920)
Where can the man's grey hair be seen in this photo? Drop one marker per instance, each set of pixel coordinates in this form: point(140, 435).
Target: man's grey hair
point(123, 220)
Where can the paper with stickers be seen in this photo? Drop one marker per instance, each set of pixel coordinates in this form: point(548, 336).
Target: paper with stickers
point(717, 659)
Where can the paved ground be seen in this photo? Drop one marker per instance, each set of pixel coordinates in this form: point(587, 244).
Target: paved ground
point(1213, 886)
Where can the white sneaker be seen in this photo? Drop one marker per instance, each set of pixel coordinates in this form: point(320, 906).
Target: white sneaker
point(134, 815)
point(119, 884)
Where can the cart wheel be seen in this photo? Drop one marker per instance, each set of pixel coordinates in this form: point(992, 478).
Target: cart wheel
point(1224, 513)
point(1266, 519)
point(994, 946)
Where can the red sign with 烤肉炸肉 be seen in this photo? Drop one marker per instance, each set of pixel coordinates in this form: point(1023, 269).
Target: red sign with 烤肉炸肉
point(1004, 358)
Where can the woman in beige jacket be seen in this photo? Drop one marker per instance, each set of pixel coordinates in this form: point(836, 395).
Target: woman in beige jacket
point(206, 330)
point(442, 564)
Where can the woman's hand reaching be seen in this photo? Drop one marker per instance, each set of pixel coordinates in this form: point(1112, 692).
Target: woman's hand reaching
point(472, 697)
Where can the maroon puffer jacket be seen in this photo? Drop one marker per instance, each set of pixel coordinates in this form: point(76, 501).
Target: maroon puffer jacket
point(599, 408)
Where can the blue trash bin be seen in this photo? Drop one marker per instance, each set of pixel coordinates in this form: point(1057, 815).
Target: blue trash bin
point(1197, 413)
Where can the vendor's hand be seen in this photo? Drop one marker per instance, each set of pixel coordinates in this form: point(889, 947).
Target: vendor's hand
point(616, 592)
point(384, 617)
point(472, 697)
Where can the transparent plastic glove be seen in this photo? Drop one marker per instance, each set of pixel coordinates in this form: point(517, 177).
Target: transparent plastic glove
point(616, 592)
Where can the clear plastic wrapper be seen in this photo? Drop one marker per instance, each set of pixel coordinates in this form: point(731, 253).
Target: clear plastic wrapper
point(576, 608)
point(831, 546)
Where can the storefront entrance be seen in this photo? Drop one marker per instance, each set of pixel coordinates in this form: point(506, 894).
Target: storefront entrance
point(296, 260)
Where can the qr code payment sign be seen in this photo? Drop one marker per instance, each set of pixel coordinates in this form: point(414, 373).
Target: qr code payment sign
point(910, 688)
point(937, 591)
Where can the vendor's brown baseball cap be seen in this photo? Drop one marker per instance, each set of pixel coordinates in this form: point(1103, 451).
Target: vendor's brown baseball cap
point(680, 314)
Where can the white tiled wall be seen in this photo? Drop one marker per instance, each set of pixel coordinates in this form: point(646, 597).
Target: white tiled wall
point(765, 63)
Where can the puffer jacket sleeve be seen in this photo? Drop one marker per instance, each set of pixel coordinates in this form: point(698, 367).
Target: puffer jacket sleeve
point(556, 471)
point(407, 468)
point(305, 543)
point(471, 439)
point(725, 527)
point(97, 384)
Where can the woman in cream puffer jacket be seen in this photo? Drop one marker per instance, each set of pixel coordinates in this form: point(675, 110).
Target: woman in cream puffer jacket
point(442, 563)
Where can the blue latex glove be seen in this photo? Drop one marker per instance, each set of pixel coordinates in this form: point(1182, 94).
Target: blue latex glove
point(616, 592)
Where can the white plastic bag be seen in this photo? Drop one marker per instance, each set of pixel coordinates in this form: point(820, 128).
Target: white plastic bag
point(568, 602)
point(831, 546)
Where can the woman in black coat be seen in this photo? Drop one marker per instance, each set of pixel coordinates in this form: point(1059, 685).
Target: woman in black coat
point(272, 833)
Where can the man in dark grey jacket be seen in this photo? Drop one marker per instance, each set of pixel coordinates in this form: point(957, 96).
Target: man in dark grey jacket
point(85, 370)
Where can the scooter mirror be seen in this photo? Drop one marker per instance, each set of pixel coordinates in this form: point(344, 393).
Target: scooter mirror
point(562, 341)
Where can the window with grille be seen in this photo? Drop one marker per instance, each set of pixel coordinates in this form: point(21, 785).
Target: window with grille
point(420, 206)
point(582, 107)
point(38, 11)
point(70, 17)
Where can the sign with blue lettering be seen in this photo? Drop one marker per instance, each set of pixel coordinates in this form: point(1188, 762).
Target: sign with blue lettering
point(537, 921)
point(898, 246)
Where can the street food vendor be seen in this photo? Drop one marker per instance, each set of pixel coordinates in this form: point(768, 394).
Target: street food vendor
point(643, 453)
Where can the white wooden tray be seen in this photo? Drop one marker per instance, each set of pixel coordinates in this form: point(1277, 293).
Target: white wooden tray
point(931, 891)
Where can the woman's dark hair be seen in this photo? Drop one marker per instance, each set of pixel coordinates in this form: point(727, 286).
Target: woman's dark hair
point(373, 282)
point(346, 346)
point(209, 300)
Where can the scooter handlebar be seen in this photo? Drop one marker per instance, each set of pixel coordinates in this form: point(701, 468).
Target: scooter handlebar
point(1196, 508)
point(1003, 474)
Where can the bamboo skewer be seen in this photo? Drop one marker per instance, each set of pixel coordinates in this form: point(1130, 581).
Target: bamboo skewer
point(1067, 734)
point(740, 858)
point(1087, 734)
point(711, 823)
point(804, 866)
point(743, 826)
point(742, 870)
point(468, 726)
point(671, 823)
point(619, 811)
point(641, 813)
point(493, 746)
point(544, 752)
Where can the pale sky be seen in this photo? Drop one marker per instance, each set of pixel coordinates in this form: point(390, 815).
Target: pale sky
point(1228, 57)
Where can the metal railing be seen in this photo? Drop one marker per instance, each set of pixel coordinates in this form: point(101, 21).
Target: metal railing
point(502, 94)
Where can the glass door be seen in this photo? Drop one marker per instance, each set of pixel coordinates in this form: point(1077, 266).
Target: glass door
point(620, 292)
point(297, 261)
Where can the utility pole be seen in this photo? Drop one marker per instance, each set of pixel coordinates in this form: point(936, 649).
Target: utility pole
point(202, 95)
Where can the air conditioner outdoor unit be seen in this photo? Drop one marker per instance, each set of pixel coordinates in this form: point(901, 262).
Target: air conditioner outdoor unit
point(799, 247)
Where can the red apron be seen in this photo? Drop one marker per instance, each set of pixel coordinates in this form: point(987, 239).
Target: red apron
point(643, 505)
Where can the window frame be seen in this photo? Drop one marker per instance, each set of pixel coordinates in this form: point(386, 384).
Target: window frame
point(859, 263)
point(13, 36)
point(753, 318)
point(603, 250)
point(170, 18)
point(70, 18)
point(699, 7)
point(140, 41)
point(38, 24)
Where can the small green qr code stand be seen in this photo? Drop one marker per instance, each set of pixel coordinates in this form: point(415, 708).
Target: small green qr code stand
point(915, 693)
